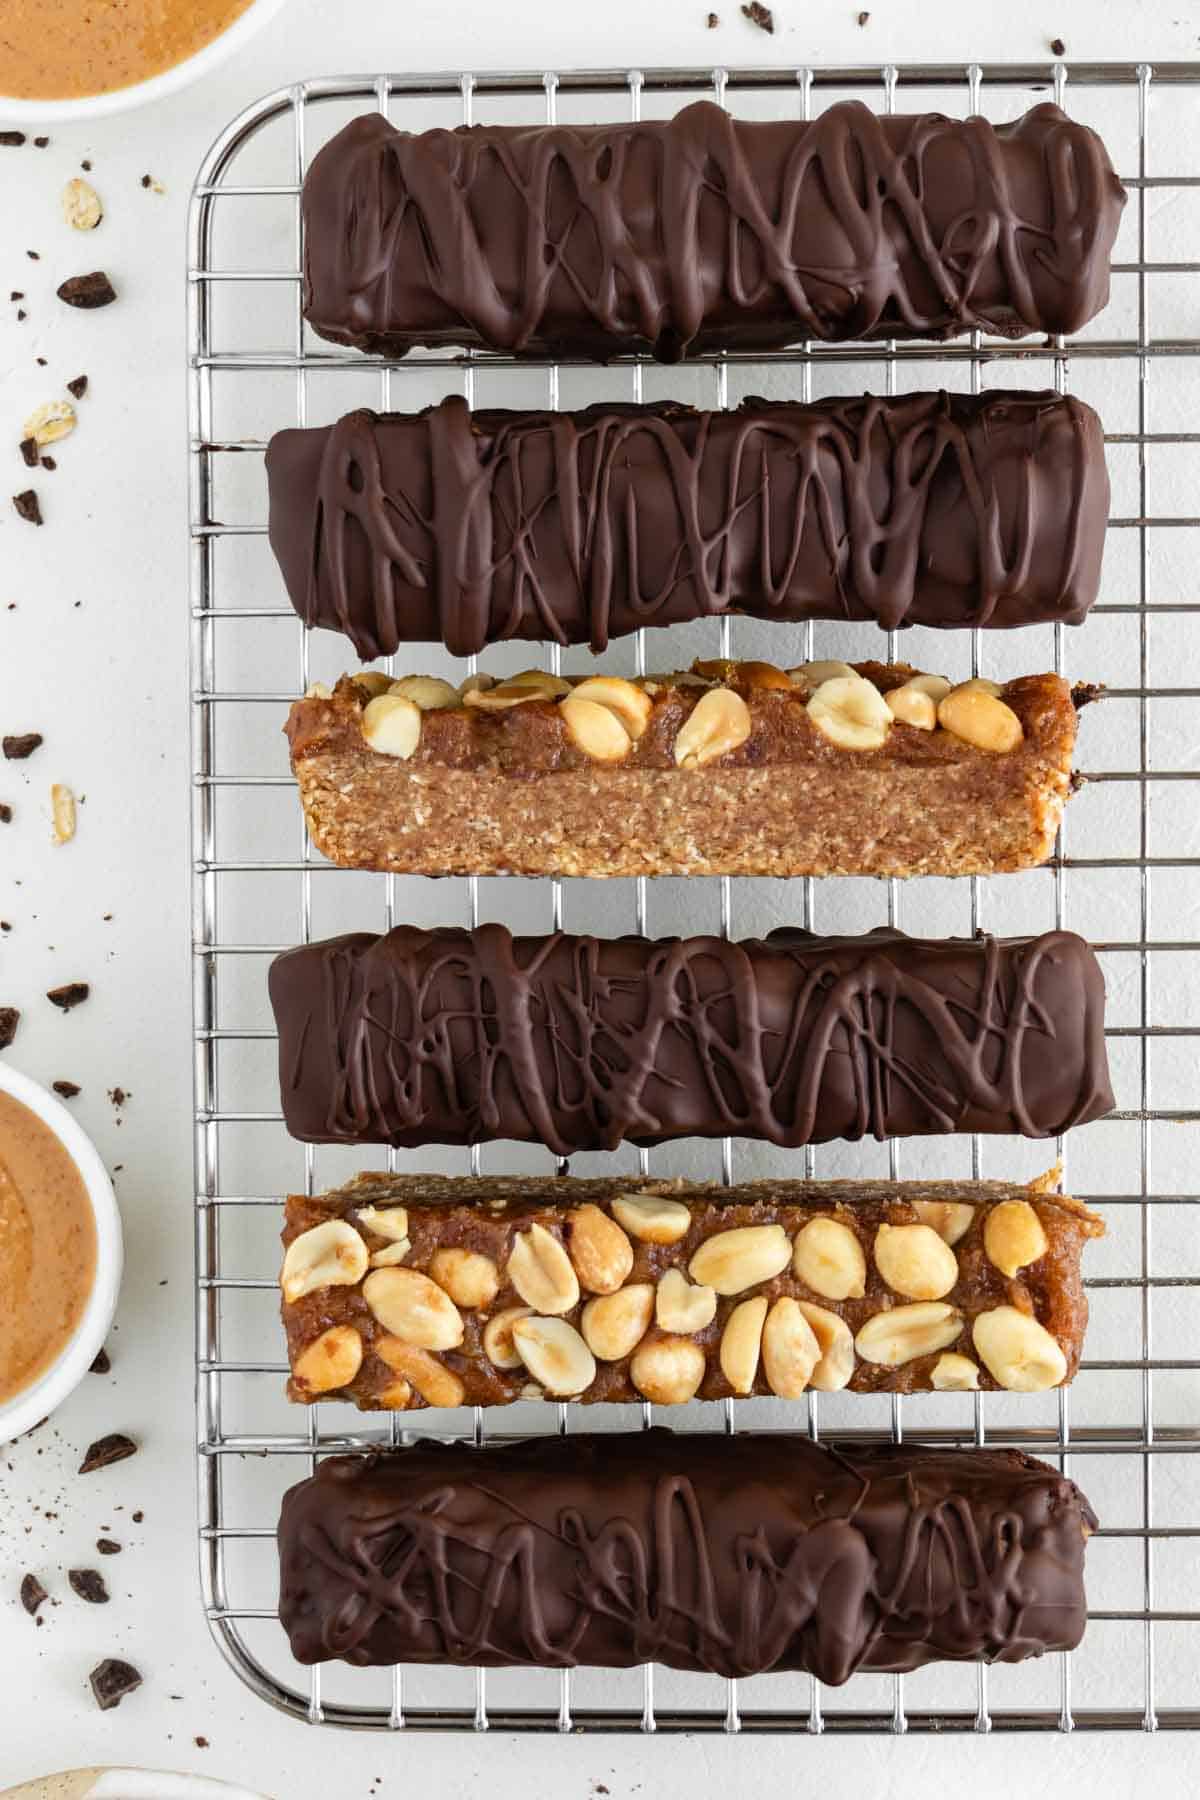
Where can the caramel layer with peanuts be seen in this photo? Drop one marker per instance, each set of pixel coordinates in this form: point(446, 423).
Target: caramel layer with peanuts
point(402, 1291)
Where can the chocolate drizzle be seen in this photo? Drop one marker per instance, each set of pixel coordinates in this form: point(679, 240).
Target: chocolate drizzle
point(578, 1043)
point(654, 1547)
point(704, 231)
point(924, 509)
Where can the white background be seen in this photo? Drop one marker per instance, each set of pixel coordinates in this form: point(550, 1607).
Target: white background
point(93, 644)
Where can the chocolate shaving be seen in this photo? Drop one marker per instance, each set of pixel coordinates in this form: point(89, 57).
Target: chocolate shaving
point(88, 291)
point(33, 1595)
point(107, 1450)
point(102, 1364)
point(759, 15)
point(29, 454)
point(23, 744)
point(78, 387)
point(111, 1680)
point(72, 993)
point(27, 507)
point(68, 1090)
point(89, 1585)
point(10, 1018)
point(108, 1547)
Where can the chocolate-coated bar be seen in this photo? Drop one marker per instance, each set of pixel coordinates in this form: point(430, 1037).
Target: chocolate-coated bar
point(468, 528)
point(580, 1043)
point(705, 232)
point(744, 1556)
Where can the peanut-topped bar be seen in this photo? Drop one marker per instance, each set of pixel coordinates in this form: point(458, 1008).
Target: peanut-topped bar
point(401, 1292)
point(731, 768)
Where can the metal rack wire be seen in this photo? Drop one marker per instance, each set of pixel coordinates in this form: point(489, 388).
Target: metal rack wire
point(1121, 875)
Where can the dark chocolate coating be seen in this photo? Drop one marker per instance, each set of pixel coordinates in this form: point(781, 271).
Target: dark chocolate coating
point(578, 1043)
point(705, 232)
point(742, 1556)
point(926, 509)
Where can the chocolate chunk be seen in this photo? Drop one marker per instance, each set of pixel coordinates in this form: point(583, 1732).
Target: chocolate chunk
point(48, 462)
point(108, 1547)
point(12, 139)
point(89, 1585)
point(713, 21)
point(72, 993)
point(10, 1018)
point(6, 813)
point(118, 1096)
point(86, 166)
point(759, 15)
point(138, 1517)
point(33, 256)
point(39, 143)
point(863, 17)
point(107, 1450)
point(68, 1089)
point(78, 387)
point(201, 1743)
point(33, 1595)
point(111, 1680)
point(16, 294)
point(19, 747)
point(88, 291)
point(101, 1364)
point(27, 507)
point(1057, 47)
point(29, 453)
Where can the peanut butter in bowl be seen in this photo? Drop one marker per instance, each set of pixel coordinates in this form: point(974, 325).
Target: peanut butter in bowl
point(69, 49)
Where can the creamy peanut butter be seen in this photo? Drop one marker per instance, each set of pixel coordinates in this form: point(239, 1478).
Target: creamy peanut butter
point(63, 49)
point(47, 1247)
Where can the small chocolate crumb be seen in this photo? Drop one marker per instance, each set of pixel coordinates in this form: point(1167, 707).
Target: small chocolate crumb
point(87, 291)
point(713, 21)
point(78, 387)
point(68, 1090)
point(86, 166)
point(39, 143)
point(108, 1547)
point(89, 1585)
point(71, 993)
point(1057, 47)
point(863, 17)
point(12, 140)
point(27, 507)
point(10, 1018)
point(107, 1450)
point(16, 294)
point(22, 745)
point(48, 462)
point(118, 1096)
point(29, 452)
point(201, 1743)
point(22, 315)
point(5, 813)
point(111, 1680)
point(33, 1595)
point(33, 255)
point(102, 1364)
point(759, 15)
point(138, 1517)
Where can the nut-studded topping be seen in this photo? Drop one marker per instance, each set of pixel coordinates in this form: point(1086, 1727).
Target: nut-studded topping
point(81, 206)
point(436, 1384)
point(392, 1254)
point(668, 1370)
point(390, 1222)
point(498, 1344)
point(555, 1354)
point(906, 1332)
point(741, 1344)
point(429, 692)
point(1017, 1352)
point(718, 723)
point(632, 705)
point(836, 1346)
point(980, 719)
point(615, 1324)
point(652, 1218)
point(470, 1278)
point(912, 706)
point(829, 1259)
point(49, 423)
point(951, 1219)
point(330, 1361)
point(732, 1261)
point(1013, 1236)
point(372, 682)
point(915, 1261)
point(811, 675)
point(678, 1306)
point(413, 1308)
point(594, 730)
point(790, 1350)
point(599, 1249)
point(540, 1270)
point(328, 1255)
point(392, 726)
point(954, 1374)
point(851, 713)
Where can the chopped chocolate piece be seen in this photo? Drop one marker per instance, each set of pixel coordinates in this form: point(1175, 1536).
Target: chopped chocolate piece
point(27, 507)
point(89, 1584)
point(138, 1517)
point(111, 1680)
point(107, 1450)
point(201, 1743)
point(78, 387)
point(33, 255)
point(86, 166)
point(4, 925)
point(72, 993)
point(33, 1595)
point(759, 15)
point(16, 294)
point(10, 1018)
point(21, 315)
point(88, 291)
point(19, 747)
point(39, 143)
point(6, 813)
point(102, 1363)
point(108, 1547)
point(863, 17)
point(1057, 47)
point(48, 462)
point(713, 21)
point(68, 1090)
point(118, 1096)
point(12, 139)
point(29, 453)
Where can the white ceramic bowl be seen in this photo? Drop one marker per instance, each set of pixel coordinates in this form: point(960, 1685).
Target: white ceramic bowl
point(181, 75)
point(64, 1374)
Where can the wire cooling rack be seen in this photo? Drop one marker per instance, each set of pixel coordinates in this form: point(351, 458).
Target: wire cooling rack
point(1125, 875)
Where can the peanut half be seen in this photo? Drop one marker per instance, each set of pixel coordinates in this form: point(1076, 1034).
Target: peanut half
point(328, 1255)
point(667, 1370)
point(652, 1218)
point(555, 1355)
point(851, 712)
point(540, 1270)
point(829, 1259)
point(330, 1361)
point(613, 1325)
point(413, 1308)
point(718, 723)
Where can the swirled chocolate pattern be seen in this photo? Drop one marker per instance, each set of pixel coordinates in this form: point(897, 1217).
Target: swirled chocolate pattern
point(925, 509)
point(704, 232)
point(580, 1043)
point(770, 1553)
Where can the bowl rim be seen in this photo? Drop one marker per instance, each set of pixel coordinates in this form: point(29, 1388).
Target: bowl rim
point(155, 87)
point(64, 1374)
